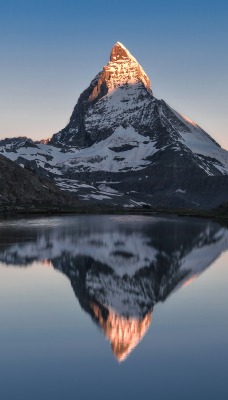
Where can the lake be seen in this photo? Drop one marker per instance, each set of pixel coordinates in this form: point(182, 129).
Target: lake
point(113, 307)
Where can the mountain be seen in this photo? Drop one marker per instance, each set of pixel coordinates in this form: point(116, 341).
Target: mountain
point(21, 188)
point(124, 146)
point(119, 267)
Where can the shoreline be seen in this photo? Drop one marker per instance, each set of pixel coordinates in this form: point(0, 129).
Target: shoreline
point(8, 211)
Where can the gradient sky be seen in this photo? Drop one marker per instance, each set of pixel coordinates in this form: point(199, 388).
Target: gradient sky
point(50, 50)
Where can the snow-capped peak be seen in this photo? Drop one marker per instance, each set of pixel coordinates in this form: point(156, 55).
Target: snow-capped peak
point(120, 134)
point(122, 69)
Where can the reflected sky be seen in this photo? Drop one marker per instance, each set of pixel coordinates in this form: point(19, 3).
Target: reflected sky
point(72, 287)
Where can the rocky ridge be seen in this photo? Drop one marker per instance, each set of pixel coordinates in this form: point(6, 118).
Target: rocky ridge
point(21, 188)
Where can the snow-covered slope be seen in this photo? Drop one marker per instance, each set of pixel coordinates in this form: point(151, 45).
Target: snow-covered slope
point(119, 132)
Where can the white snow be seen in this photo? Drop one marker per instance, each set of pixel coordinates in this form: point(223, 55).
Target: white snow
point(100, 157)
point(99, 196)
point(200, 143)
point(133, 98)
point(180, 191)
point(105, 188)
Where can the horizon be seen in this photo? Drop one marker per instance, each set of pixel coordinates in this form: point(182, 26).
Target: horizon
point(45, 70)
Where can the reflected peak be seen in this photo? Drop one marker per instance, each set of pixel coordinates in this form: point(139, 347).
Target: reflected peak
point(123, 333)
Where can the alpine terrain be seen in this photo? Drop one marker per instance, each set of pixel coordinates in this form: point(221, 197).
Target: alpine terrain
point(24, 190)
point(123, 146)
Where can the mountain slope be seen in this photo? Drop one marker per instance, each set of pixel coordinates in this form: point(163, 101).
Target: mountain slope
point(124, 146)
point(22, 188)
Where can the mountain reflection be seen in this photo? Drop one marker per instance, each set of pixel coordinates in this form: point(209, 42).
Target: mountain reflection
point(119, 267)
point(124, 333)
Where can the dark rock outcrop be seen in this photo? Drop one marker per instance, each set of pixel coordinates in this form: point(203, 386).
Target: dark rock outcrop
point(20, 188)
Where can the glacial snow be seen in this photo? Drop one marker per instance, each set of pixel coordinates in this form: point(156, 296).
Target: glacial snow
point(103, 157)
point(200, 143)
point(99, 157)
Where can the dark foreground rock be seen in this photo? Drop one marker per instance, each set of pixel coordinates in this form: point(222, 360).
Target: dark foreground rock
point(25, 190)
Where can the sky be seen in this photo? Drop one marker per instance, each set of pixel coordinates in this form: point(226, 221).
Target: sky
point(50, 50)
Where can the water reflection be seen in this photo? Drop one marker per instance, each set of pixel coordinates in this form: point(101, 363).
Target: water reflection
point(119, 267)
point(124, 333)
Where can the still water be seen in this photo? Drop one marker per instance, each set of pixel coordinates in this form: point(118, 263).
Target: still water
point(113, 307)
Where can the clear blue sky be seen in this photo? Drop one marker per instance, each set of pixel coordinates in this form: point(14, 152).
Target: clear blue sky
point(51, 49)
